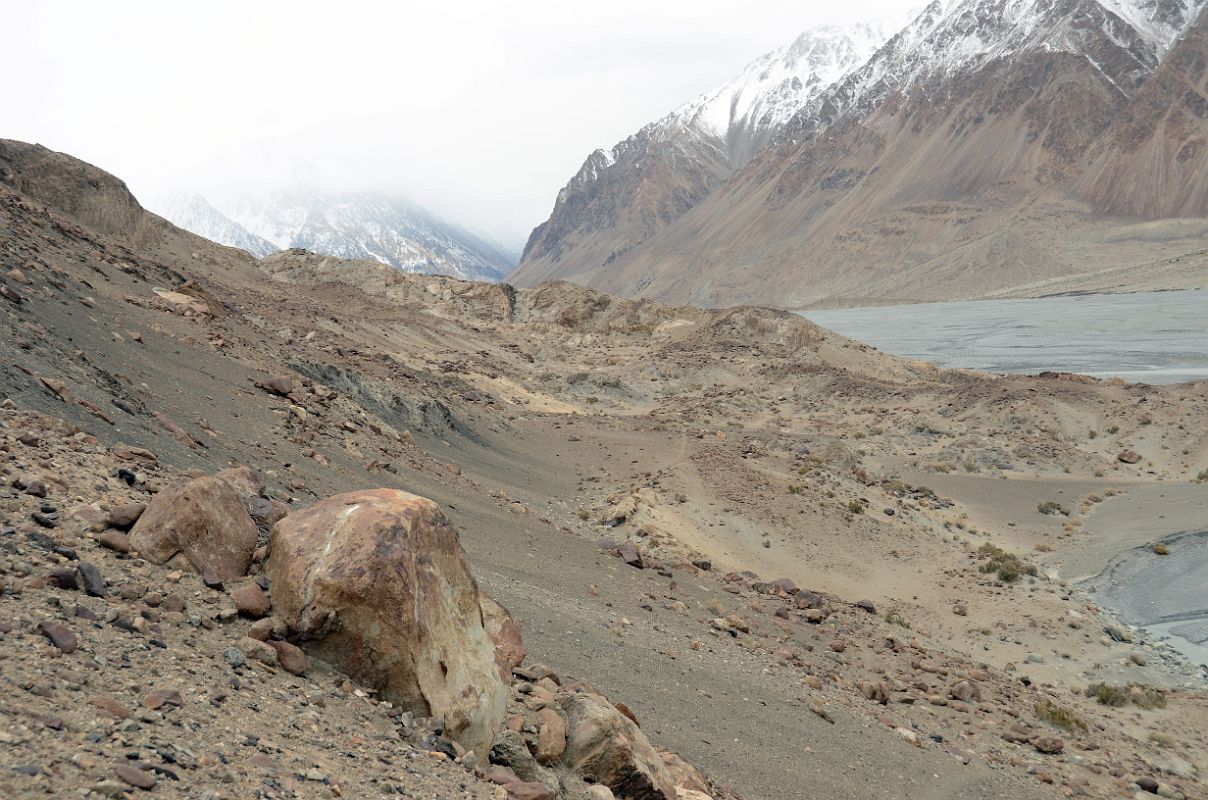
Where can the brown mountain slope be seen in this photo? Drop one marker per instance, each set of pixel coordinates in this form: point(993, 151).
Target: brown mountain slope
point(938, 195)
point(1153, 161)
point(1007, 176)
point(610, 206)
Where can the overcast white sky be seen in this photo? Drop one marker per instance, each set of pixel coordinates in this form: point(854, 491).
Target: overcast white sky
point(479, 110)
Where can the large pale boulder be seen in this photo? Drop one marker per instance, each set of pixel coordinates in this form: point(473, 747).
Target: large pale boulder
point(505, 635)
point(201, 525)
point(376, 583)
point(604, 746)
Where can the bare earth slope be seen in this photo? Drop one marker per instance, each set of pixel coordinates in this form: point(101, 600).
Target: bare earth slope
point(727, 448)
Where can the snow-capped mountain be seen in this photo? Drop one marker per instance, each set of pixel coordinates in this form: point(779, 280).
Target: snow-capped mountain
point(952, 159)
point(371, 225)
point(1123, 39)
point(621, 196)
point(195, 214)
point(748, 110)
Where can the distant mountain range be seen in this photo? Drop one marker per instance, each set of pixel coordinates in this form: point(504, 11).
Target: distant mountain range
point(989, 147)
point(370, 225)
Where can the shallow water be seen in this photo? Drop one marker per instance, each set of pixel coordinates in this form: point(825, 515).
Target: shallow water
point(1150, 337)
point(1166, 594)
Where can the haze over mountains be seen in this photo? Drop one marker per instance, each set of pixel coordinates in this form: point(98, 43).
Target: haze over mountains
point(374, 225)
point(990, 147)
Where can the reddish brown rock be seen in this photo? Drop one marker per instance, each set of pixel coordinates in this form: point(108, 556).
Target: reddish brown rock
point(136, 777)
point(605, 747)
point(291, 657)
point(59, 635)
point(250, 601)
point(202, 525)
point(1049, 744)
point(528, 790)
point(505, 636)
point(262, 629)
point(551, 736)
point(281, 385)
point(114, 540)
point(162, 697)
point(246, 481)
point(106, 706)
point(124, 516)
point(376, 583)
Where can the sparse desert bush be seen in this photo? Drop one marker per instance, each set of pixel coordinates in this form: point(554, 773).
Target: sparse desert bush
point(1043, 547)
point(1113, 430)
point(1202, 477)
point(1059, 717)
point(1161, 549)
point(1139, 695)
point(1008, 566)
point(583, 514)
point(895, 618)
point(1052, 508)
point(1161, 739)
point(855, 507)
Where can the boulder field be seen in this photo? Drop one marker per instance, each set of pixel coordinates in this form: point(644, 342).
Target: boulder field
point(373, 587)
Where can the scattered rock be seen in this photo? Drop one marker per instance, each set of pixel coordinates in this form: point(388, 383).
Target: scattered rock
point(137, 778)
point(250, 601)
point(605, 747)
point(59, 635)
point(291, 657)
point(202, 524)
point(504, 634)
point(114, 540)
point(124, 516)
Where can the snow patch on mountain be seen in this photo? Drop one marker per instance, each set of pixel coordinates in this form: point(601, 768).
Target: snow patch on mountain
point(373, 225)
point(195, 214)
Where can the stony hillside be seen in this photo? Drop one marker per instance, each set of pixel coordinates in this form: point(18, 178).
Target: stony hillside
point(956, 162)
point(771, 550)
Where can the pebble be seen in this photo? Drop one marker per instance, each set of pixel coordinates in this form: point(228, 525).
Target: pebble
point(135, 776)
point(250, 601)
point(94, 584)
point(234, 657)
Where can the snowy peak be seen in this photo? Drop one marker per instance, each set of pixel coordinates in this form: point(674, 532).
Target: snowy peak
point(195, 214)
point(1124, 39)
point(748, 110)
point(382, 227)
